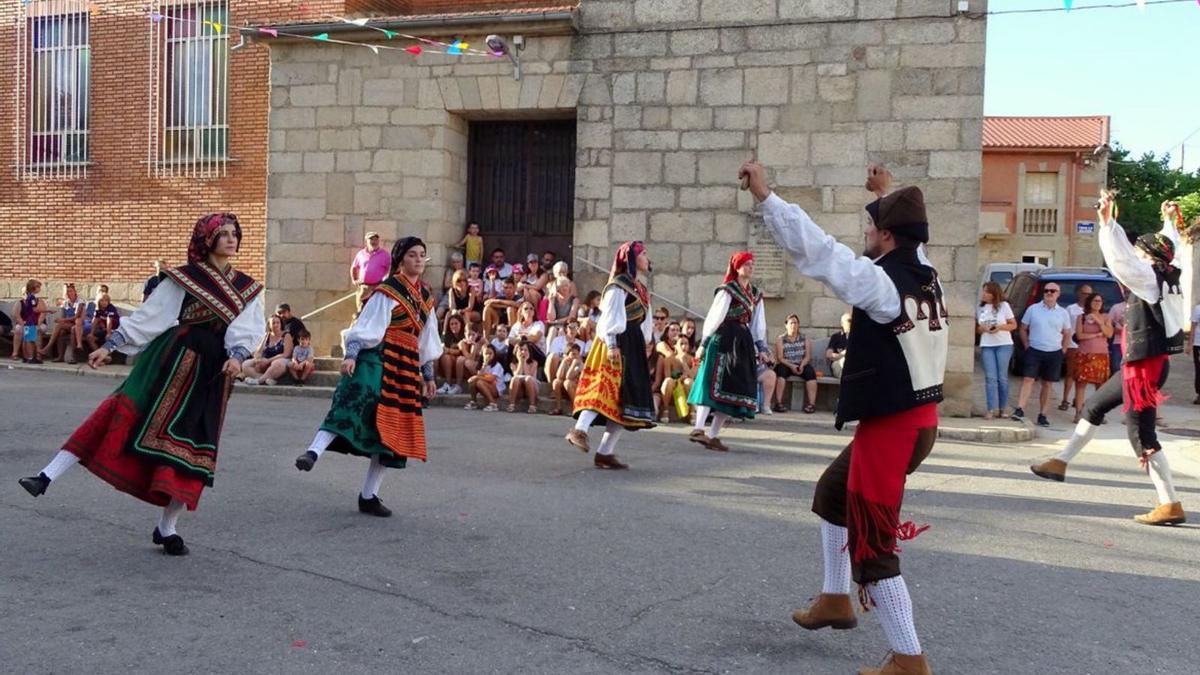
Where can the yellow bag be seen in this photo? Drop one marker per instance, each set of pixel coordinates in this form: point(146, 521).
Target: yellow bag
point(681, 405)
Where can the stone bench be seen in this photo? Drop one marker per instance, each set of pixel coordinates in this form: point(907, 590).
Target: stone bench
point(827, 386)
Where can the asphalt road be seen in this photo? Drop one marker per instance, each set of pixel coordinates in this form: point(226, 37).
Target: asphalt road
point(510, 554)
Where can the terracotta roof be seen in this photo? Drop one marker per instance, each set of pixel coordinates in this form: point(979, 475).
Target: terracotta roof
point(1045, 132)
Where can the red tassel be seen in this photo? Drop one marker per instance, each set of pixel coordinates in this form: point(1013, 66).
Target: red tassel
point(877, 527)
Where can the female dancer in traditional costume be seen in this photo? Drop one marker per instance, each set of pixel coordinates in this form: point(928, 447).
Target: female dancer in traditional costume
point(156, 437)
point(734, 340)
point(616, 388)
point(388, 372)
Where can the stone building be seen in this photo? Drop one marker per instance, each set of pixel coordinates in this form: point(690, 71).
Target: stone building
point(666, 98)
point(1041, 176)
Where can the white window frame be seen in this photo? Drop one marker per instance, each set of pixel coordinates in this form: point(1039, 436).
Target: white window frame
point(189, 89)
point(1036, 183)
point(1041, 257)
point(53, 55)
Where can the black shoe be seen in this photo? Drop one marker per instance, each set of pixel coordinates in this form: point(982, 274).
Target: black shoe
point(1018, 415)
point(35, 485)
point(173, 545)
point(1042, 421)
point(373, 506)
point(157, 537)
point(306, 461)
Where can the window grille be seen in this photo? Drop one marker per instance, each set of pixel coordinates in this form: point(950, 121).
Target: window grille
point(189, 89)
point(53, 61)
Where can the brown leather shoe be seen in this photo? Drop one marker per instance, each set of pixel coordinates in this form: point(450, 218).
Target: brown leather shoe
point(697, 436)
point(833, 610)
point(1051, 469)
point(901, 664)
point(716, 444)
point(1164, 514)
point(608, 462)
point(578, 439)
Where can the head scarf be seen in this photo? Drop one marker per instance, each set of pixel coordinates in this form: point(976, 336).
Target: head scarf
point(401, 247)
point(735, 263)
point(902, 212)
point(1158, 246)
point(204, 235)
point(625, 262)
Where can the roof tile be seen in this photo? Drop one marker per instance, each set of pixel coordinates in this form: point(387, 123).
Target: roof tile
point(1045, 132)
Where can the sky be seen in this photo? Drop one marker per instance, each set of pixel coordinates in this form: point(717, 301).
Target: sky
point(1141, 67)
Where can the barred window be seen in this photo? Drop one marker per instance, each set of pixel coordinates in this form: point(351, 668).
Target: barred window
point(189, 89)
point(52, 89)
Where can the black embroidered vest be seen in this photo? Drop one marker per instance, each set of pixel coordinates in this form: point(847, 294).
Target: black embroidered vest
point(1155, 329)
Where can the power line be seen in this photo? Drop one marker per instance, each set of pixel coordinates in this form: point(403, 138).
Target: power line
point(1082, 8)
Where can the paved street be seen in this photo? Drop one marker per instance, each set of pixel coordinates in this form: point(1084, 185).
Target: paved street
point(509, 553)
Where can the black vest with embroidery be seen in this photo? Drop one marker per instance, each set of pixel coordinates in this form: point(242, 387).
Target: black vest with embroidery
point(414, 304)
point(742, 304)
point(900, 365)
point(637, 300)
point(214, 297)
point(1148, 330)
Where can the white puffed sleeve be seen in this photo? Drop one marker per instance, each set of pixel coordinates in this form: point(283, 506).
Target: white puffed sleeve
point(648, 325)
point(154, 317)
point(431, 343)
point(368, 329)
point(612, 316)
point(1121, 257)
point(716, 313)
point(758, 326)
point(246, 331)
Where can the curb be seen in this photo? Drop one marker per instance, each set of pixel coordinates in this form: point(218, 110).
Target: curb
point(986, 434)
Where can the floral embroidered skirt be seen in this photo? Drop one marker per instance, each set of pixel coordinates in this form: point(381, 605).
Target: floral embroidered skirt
point(727, 380)
point(620, 393)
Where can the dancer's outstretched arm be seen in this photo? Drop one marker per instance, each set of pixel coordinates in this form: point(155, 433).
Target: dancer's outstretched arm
point(246, 331)
point(154, 317)
point(1121, 257)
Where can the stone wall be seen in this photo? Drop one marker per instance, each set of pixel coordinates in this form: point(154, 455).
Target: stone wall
point(670, 97)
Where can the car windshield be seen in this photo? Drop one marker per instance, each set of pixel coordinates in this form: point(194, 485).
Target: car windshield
point(1002, 278)
point(1107, 288)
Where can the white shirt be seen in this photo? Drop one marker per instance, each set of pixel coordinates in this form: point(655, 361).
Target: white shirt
point(368, 329)
point(518, 330)
point(990, 316)
point(1196, 326)
point(722, 300)
point(559, 345)
point(1047, 325)
point(160, 313)
point(1138, 274)
point(1074, 312)
point(612, 318)
point(501, 376)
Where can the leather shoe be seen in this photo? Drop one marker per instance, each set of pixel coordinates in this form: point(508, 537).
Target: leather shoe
point(173, 545)
point(1164, 514)
point(833, 610)
point(157, 537)
point(901, 664)
point(373, 507)
point(608, 462)
point(1051, 469)
point(579, 439)
point(306, 461)
point(35, 485)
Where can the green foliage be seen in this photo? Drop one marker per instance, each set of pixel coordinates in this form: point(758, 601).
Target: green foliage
point(1145, 183)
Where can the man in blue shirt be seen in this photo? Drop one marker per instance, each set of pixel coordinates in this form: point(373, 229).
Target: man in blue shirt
point(1046, 333)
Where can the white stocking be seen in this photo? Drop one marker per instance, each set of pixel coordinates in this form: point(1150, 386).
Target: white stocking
point(896, 615)
point(701, 416)
point(58, 466)
point(374, 478)
point(1160, 475)
point(170, 516)
point(719, 420)
point(612, 434)
point(1084, 431)
point(321, 442)
point(837, 559)
point(585, 420)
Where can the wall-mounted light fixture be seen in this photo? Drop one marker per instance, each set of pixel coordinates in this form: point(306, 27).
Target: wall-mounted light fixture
point(500, 47)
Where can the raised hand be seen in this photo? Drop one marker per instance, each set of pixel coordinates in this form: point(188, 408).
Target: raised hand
point(879, 180)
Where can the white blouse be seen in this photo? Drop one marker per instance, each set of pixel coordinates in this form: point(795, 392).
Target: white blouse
point(368, 329)
point(612, 318)
point(722, 300)
point(160, 313)
point(1122, 258)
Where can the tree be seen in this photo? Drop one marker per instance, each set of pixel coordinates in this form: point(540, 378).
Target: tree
point(1145, 183)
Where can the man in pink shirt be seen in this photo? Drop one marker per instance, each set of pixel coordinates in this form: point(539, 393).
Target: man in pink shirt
point(371, 266)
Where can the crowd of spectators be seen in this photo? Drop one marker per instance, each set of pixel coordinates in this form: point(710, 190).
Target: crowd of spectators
point(63, 329)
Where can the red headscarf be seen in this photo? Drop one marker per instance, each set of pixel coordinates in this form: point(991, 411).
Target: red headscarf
point(205, 235)
point(735, 263)
point(625, 262)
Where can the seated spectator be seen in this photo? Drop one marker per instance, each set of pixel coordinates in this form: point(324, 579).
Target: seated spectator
point(31, 310)
point(527, 329)
point(493, 283)
point(559, 347)
point(302, 364)
point(470, 355)
point(503, 268)
point(835, 353)
point(292, 325)
point(152, 282)
point(272, 356)
point(592, 302)
point(455, 332)
point(549, 260)
point(537, 279)
point(105, 319)
point(490, 381)
point(674, 377)
point(562, 301)
point(766, 384)
point(793, 356)
point(459, 301)
point(666, 344)
point(687, 328)
point(67, 328)
point(499, 342)
point(524, 379)
point(475, 285)
point(566, 378)
point(496, 310)
point(456, 265)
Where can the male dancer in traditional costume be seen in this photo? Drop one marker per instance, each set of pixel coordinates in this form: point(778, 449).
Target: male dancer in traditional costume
point(615, 388)
point(891, 384)
point(734, 342)
point(1154, 318)
point(156, 437)
point(387, 372)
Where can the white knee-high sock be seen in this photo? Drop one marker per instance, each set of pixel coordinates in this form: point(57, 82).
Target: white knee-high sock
point(374, 478)
point(702, 417)
point(170, 516)
point(719, 420)
point(321, 442)
point(1084, 431)
point(895, 613)
point(585, 420)
point(1160, 475)
point(58, 466)
point(837, 559)
point(612, 434)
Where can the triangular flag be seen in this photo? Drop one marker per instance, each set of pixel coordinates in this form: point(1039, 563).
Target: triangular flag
point(357, 22)
point(216, 26)
point(415, 50)
point(324, 37)
point(1068, 4)
point(269, 31)
point(457, 47)
point(372, 48)
point(1141, 4)
point(156, 17)
point(391, 34)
